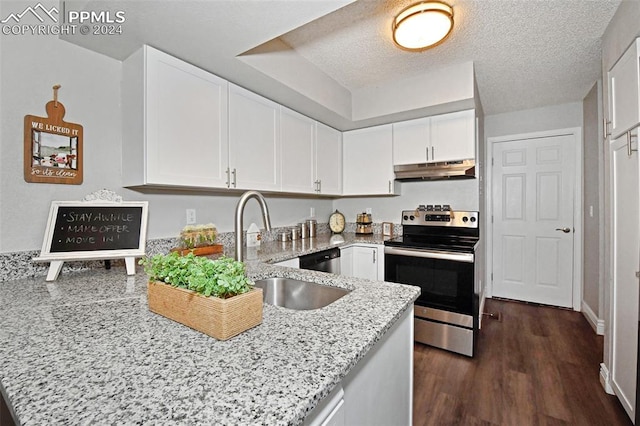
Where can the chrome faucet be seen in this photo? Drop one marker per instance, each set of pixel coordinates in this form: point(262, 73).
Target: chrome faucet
point(239, 212)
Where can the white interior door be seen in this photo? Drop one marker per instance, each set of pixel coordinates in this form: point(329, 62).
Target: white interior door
point(626, 254)
point(533, 209)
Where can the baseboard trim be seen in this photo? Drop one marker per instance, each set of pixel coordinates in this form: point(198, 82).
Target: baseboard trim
point(596, 323)
point(605, 379)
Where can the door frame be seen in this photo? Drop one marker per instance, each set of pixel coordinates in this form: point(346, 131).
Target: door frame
point(576, 133)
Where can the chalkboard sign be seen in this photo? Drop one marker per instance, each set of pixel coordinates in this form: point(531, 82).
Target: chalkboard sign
point(94, 230)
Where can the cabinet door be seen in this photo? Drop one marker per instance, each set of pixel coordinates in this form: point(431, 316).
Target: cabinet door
point(291, 263)
point(411, 143)
point(368, 161)
point(626, 252)
point(297, 134)
point(624, 88)
point(328, 160)
point(186, 123)
point(254, 140)
point(365, 262)
point(453, 136)
point(346, 261)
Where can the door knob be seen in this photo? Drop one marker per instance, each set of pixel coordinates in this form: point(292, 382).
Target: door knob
point(565, 230)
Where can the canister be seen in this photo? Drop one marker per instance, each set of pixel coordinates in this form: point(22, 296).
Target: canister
point(304, 230)
point(284, 236)
point(295, 233)
point(312, 225)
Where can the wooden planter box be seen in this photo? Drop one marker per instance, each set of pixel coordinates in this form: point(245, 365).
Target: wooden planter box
point(201, 251)
point(219, 318)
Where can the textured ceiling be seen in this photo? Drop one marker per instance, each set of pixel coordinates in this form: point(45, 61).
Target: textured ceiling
point(527, 53)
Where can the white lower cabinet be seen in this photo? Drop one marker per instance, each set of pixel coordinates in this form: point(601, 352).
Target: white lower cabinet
point(379, 389)
point(362, 261)
point(365, 262)
point(291, 263)
point(330, 411)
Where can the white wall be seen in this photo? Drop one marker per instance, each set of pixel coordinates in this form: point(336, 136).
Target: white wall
point(30, 66)
point(461, 194)
point(534, 120)
point(529, 121)
point(593, 157)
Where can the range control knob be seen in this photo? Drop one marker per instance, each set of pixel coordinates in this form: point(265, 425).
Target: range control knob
point(473, 219)
point(465, 219)
point(405, 217)
point(411, 217)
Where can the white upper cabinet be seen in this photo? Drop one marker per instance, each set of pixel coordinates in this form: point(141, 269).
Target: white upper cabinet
point(174, 123)
point(328, 160)
point(446, 137)
point(254, 141)
point(624, 92)
point(453, 136)
point(297, 134)
point(368, 161)
point(411, 141)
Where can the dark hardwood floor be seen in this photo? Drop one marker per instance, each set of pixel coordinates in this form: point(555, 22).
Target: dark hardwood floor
point(538, 366)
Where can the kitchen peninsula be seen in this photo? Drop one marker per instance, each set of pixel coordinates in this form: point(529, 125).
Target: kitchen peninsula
point(85, 349)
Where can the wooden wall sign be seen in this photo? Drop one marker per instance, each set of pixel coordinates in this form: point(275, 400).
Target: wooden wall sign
point(52, 147)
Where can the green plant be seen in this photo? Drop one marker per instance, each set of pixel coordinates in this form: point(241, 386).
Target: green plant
point(193, 236)
point(223, 277)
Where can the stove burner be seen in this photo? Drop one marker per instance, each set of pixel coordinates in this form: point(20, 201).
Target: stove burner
point(434, 208)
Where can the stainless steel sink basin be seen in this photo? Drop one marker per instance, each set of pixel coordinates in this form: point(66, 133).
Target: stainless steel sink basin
point(299, 295)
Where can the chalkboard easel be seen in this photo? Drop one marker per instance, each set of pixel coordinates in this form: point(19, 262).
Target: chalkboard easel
point(94, 230)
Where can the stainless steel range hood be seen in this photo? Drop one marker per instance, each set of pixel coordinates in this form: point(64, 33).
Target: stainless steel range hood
point(464, 169)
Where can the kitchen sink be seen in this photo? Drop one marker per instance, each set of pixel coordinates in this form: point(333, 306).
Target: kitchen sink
point(299, 295)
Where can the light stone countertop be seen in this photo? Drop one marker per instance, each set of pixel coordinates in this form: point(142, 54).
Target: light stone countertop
point(85, 349)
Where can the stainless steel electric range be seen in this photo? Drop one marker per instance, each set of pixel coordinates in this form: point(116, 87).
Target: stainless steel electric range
point(436, 252)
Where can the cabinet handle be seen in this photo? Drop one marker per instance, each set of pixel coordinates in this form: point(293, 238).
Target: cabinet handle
point(390, 190)
point(228, 177)
point(319, 185)
point(605, 128)
point(234, 177)
point(630, 136)
point(433, 154)
point(427, 149)
point(374, 255)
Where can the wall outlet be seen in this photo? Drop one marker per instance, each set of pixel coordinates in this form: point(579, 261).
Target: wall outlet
point(312, 212)
point(191, 216)
point(368, 211)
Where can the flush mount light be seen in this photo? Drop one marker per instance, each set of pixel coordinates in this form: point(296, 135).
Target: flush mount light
point(422, 25)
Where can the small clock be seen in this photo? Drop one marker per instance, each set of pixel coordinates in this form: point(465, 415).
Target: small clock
point(336, 222)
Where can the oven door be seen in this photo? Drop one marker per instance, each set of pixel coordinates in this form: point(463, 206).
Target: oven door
point(446, 279)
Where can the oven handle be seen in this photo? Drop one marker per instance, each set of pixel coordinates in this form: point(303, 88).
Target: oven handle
point(458, 257)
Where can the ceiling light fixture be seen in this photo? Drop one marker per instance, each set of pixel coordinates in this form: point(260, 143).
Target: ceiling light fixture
point(422, 25)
